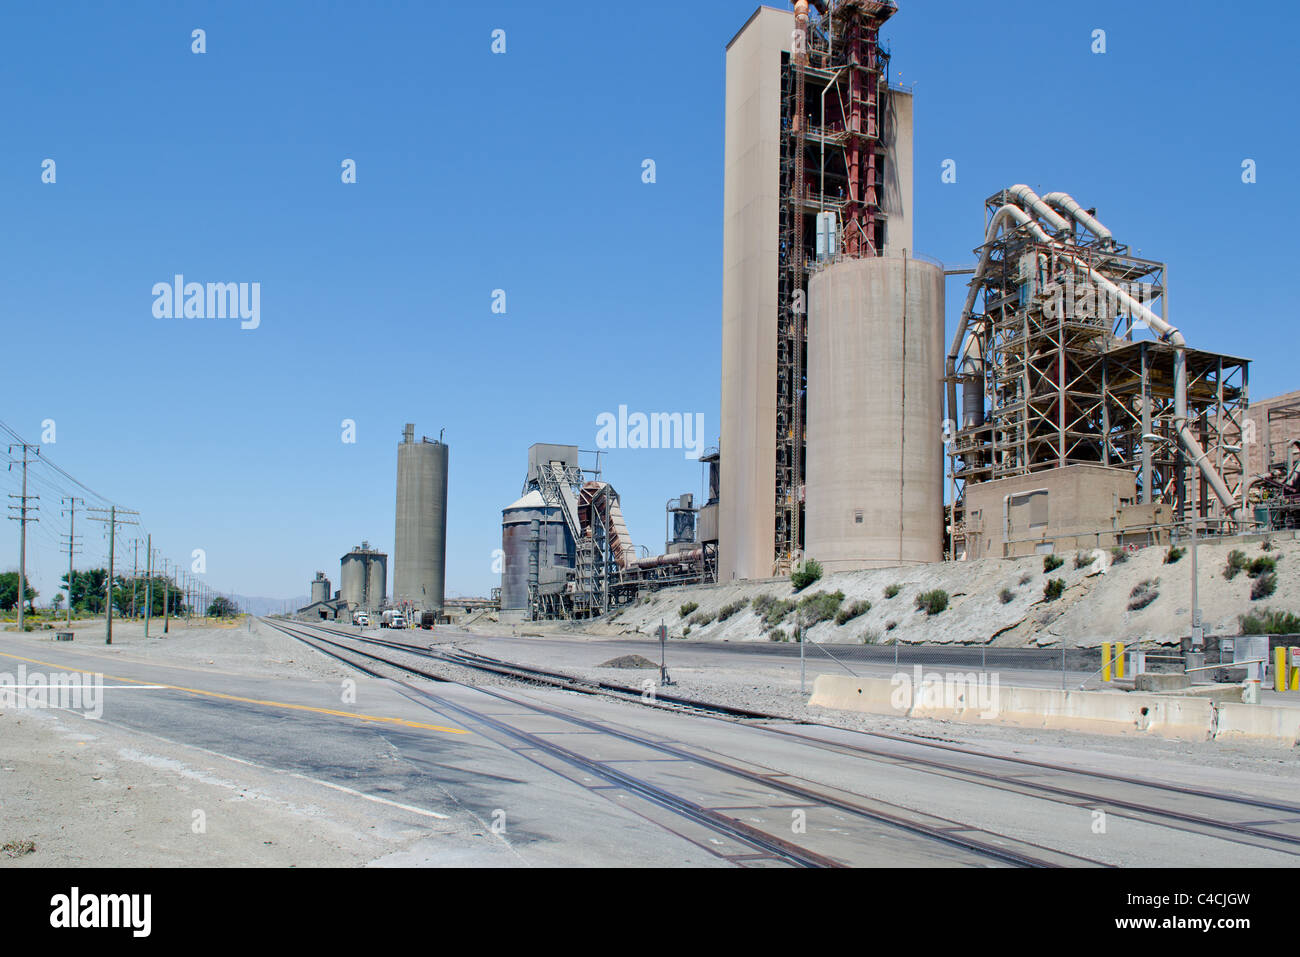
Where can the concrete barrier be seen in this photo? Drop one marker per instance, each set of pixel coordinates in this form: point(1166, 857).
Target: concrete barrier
point(1166, 716)
point(1257, 723)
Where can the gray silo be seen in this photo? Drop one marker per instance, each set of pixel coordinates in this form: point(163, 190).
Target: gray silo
point(420, 542)
point(875, 412)
point(376, 580)
point(352, 578)
point(320, 588)
point(554, 552)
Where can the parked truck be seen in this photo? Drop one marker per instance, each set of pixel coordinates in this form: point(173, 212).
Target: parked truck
point(392, 619)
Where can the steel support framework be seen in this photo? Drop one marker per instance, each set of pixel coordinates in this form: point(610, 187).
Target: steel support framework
point(834, 115)
point(1066, 380)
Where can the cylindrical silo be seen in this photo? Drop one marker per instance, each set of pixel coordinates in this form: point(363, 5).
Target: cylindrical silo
point(553, 547)
point(420, 545)
point(352, 579)
point(320, 588)
point(376, 580)
point(874, 476)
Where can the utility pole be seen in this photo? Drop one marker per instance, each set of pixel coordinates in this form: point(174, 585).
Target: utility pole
point(113, 521)
point(135, 574)
point(148, 582)
point(72, 542)
point(167, 601)
point(21, 518)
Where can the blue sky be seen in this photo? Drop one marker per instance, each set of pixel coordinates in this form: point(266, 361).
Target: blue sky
point(522, 172)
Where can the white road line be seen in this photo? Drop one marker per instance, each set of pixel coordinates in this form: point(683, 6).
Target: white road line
point(371, 797)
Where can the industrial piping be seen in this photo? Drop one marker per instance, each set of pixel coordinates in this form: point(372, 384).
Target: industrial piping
point(1167, 332)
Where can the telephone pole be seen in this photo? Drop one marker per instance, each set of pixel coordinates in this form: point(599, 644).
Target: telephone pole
point(148, 582)
point(113, 521)
point(21, 518)
point(72, 545)
point(135, 574)
point(167, 600)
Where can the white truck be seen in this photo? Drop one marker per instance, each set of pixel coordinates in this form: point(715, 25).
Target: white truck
point(392, 619)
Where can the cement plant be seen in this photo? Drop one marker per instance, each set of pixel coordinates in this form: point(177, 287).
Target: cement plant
point(977, 555)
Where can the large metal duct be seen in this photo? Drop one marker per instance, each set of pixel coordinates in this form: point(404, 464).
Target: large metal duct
point(874, 495)
point(420, 539)
point(522, 521)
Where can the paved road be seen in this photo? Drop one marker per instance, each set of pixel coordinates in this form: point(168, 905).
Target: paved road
point(579, 780)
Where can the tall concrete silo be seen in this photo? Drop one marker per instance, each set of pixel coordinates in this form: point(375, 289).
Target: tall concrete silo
point(420, 542)
point(376, 580)
point(352, 578)
point(874, 494)
point(320, 588)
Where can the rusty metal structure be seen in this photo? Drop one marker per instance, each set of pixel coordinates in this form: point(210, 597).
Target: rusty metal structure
point(1065, 356)
point(835, 83)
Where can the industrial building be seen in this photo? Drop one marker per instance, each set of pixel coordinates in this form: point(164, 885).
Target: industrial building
point(363, 575)
point(818, 180)
point(1273, 461)
point(420, 537)
point(1074, 412)
point(1084, 417)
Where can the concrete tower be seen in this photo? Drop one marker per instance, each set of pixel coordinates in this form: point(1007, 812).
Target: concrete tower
point(420, 541)
point(793, 155)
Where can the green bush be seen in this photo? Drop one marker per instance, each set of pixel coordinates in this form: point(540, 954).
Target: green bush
point(1143, 594)
point(820, 606)
point(932, 602)
point(703, 617)
point(852, 610)
point(1054, 589)
point(686, 631)
point(1264, 586)
point(777, 635)
point(1006, 596)
point(1237, 563)
point(1084, 559)
point(871, 637)
point(762, 603)
point(1051, 563)
point(1270, 623)
point(806, 574)
point(893, 590)
point(1174, 555)
point(890, 625)
point(1118, 556)
point(1267, 545)
point(777, 612)
point(1261, 566)
point(726, 611)
point(687, 608)
point(1026, 578)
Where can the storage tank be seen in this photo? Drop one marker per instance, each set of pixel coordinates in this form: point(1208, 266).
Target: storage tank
point(376, 580)
point(320, 588)
point(554, 548)
point(874, 490)
point(420, 542)
point(352, 579)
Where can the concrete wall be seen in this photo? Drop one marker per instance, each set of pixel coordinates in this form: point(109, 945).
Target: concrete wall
point(1048, 511)
point(875, 397)
point(751, 234)
point(1279, 435)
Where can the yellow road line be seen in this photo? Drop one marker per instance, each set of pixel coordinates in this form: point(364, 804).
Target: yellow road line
point(377, 719)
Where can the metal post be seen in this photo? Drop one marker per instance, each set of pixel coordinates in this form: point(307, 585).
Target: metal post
point(798, 622)
point(167, 598)
point(1198, 634)
point(148, 583)
point(112, 531)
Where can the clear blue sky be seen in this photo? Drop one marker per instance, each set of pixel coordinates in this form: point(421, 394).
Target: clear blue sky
point(523, 172)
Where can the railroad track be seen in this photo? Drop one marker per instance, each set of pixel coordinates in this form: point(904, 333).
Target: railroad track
point(1125, 796)
point(986, 848)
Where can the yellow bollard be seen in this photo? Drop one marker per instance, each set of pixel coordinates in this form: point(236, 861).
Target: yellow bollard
point(1295, 671)
point(1280, 669)
point(1119, 659)
point(1105, 661)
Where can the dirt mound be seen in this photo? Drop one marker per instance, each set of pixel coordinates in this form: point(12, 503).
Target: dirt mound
point(629, 661)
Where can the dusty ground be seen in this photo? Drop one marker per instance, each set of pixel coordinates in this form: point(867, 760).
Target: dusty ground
point(1093, 609)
